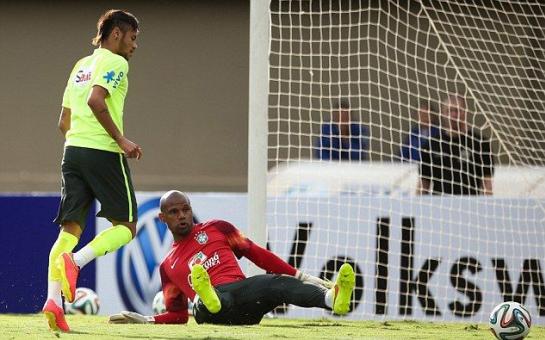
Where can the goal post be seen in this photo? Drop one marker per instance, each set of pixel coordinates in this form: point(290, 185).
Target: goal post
point(257, 121)
point(351, 86)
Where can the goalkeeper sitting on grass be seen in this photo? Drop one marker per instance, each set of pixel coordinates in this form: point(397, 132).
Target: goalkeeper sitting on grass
point(202, 265)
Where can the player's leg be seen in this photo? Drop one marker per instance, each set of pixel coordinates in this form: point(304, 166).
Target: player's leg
point(73, 208)
point(245, 302)
point(112, 186)
point(108, 176)
point(53, 308)
point(270, 291)
point(274, 290)
point(107, 241)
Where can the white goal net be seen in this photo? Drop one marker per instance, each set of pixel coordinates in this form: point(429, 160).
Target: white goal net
point(407, 138)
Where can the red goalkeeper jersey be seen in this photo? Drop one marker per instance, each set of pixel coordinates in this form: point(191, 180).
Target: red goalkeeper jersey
point(215, 245)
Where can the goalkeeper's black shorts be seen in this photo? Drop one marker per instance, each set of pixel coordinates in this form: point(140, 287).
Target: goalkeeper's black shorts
point(246, 302)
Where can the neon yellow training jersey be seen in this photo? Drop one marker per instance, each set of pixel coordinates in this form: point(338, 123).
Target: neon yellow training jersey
point(109, 71)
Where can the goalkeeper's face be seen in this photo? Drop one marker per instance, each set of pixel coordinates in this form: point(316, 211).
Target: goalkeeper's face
point(177, 214)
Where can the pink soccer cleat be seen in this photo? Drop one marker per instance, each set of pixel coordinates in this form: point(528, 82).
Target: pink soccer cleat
point(69, 275)
point(55, 317)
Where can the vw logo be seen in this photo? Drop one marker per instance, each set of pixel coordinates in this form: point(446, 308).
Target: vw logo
point(137, 263)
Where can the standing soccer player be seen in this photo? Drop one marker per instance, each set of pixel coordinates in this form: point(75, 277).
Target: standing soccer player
point(203, 262)
point(95, 156)
point(459, 160)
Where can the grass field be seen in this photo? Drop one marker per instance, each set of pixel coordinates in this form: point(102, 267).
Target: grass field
point(96, 327)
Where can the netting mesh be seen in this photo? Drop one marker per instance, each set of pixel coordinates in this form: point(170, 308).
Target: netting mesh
point(384, 59)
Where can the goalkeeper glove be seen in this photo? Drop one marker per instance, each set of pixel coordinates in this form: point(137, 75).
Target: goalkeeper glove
point(307, 278)
point(131, 317)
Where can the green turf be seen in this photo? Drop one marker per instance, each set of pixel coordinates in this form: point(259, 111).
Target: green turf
point(96, 327)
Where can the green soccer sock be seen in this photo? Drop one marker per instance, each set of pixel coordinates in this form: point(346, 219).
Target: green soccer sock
point(65, 243)
point(107, 241)
point(110, 240)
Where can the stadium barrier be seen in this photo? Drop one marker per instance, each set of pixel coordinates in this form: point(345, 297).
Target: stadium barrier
point(458, 276)
point(319, 178)
point(26, 235)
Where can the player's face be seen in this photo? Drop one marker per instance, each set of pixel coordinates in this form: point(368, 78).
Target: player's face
point(343, 116)
point(178, 216)
point(424, 116)
point(455, 114)
point(127, 44)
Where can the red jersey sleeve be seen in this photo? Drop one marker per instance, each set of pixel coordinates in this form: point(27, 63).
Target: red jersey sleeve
point(175, 302)
point(268, 260)
point(243, 246)
point(237, 241)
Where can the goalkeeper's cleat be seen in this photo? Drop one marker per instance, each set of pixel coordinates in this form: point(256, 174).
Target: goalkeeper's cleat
point(204, 289)
point(69, 275)
point(55, 317)
point(344, 285)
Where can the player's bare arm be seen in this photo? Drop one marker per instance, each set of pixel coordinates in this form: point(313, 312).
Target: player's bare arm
point(487, 186)
point(423, 186)
point(64, 120)
point(97, 103)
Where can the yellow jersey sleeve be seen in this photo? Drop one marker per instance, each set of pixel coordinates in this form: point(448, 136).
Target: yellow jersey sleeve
point(111, 72)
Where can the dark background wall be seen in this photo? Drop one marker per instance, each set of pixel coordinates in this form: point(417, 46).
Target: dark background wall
point(188, 99)
point(187, 104)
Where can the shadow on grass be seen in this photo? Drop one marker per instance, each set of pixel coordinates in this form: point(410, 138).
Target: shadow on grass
point(307, 325)
point(132, 336)
point(283, 326)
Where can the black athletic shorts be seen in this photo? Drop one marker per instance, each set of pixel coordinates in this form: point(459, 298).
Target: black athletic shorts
point(90, 173)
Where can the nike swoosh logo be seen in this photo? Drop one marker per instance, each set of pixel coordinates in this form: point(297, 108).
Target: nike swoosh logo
point(174, 263)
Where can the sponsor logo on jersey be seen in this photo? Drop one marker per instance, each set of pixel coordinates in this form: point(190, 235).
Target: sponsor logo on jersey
point(201, 237)
point(202, 259)
point(212, 261)
point(198, 258)
point(83, 76)
point(110, 76)
point(205, 261)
